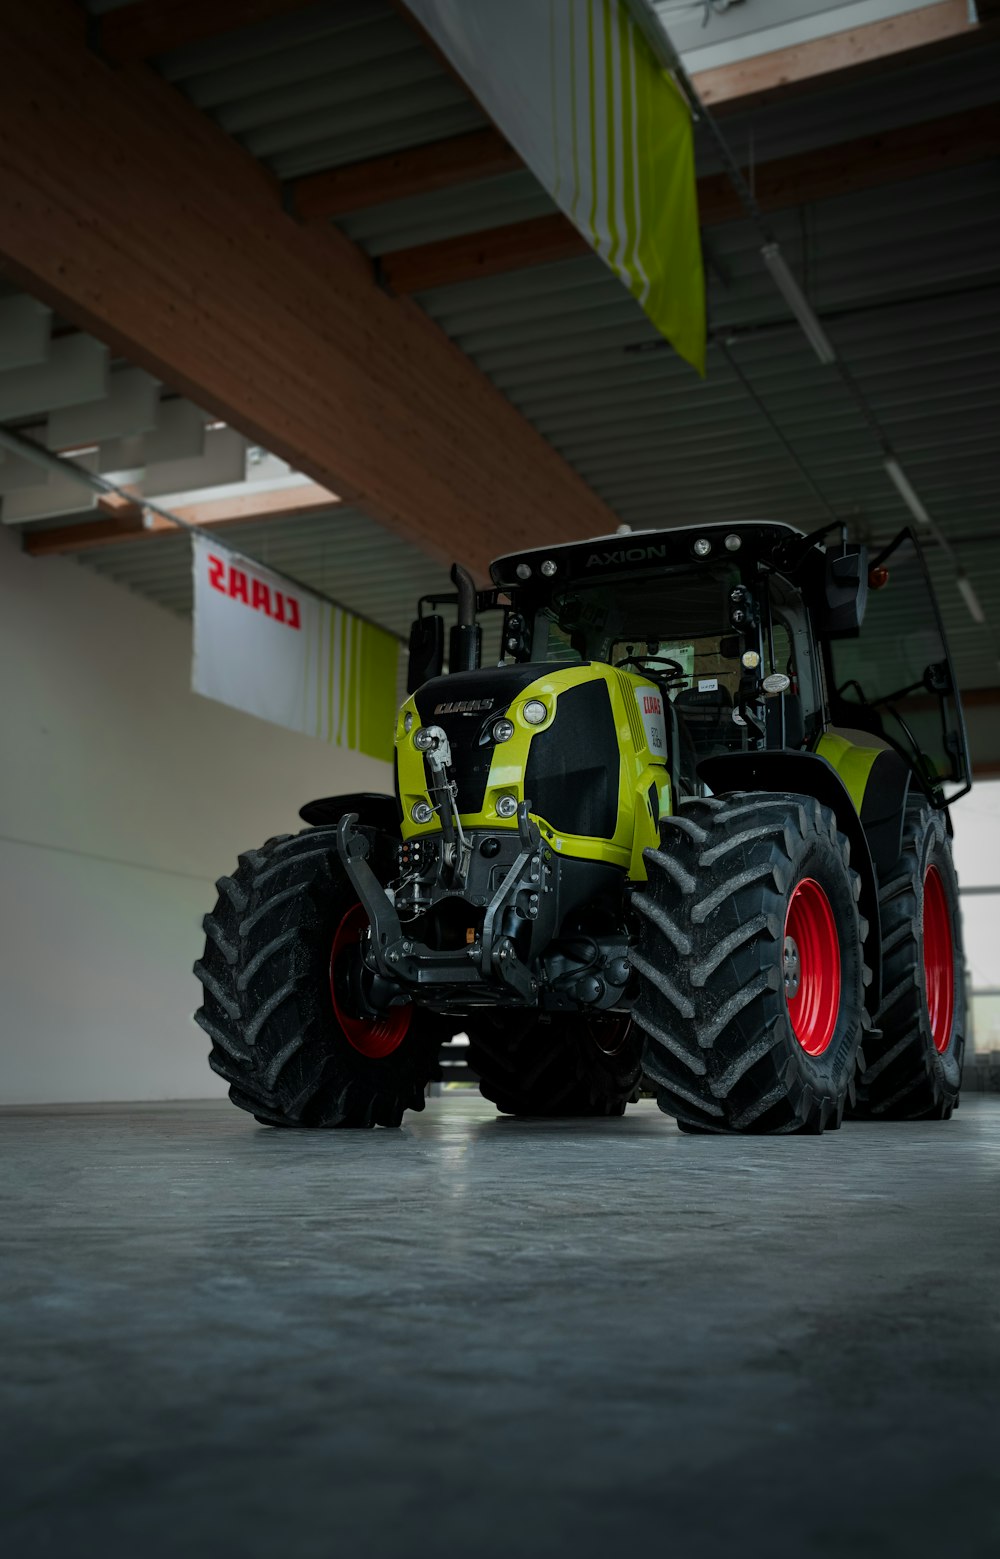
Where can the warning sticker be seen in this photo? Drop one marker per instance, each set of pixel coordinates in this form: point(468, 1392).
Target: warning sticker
point(708, 684)
point(650, 703)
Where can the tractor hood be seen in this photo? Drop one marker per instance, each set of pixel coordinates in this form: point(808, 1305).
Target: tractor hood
point(585, 744)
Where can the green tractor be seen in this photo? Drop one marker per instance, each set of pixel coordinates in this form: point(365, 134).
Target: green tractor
point(690, 834)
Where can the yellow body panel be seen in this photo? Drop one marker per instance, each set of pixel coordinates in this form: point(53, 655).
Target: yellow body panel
point(640, 769)
point(853, 764)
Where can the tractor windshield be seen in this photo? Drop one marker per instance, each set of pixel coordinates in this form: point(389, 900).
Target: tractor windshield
point(674, 627)
point(681, 615)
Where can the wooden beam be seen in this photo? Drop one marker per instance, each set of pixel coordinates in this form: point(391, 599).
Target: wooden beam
point(894, 155)
point(911, 151)
point(152, 27)
point(142, 222)
point(841, 54)
point(417, 170)
point(126, 522)
point(472, 256)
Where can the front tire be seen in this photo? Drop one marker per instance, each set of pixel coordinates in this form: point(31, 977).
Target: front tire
point(569, 1064)
point(273, 974)
point(914, 1069)
point(750, 965)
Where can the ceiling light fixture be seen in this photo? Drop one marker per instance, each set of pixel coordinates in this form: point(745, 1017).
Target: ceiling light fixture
point(901, 483)
point(970, 597)
point(798, 303)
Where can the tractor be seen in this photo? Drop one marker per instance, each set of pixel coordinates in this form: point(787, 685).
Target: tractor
point(687, 832)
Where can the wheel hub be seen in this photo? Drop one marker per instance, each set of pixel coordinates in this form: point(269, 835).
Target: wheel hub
point(811, 966)
point(791, 967)
point(376, 1036)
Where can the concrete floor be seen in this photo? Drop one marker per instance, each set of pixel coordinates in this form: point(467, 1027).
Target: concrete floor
point(485, 1338)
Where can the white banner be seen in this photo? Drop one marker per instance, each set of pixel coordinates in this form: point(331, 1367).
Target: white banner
point(275, 650)
point(574, 87)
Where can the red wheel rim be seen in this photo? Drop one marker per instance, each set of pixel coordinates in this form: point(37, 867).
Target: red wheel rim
point(374, 1037)
point(811, 966)
point(939, 960)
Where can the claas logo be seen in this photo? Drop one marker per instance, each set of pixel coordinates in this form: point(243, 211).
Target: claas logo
point(239, 586)
point(651, 704)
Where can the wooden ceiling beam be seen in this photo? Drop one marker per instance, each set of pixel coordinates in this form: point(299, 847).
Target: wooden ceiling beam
point(474, 256)
point(911, 151)
point(417, 170)
point(150, 28)
point(840, 55)
point(140, 221)
point(890, 157)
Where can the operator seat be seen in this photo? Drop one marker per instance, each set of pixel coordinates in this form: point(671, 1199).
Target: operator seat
point(707, 717)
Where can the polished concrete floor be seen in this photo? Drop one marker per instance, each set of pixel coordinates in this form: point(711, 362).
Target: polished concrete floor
point(481, 1337)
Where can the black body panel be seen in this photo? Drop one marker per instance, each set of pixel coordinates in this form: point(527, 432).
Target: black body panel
point(573, 766)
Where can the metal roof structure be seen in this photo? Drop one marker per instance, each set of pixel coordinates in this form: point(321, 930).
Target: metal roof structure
point(905, 277)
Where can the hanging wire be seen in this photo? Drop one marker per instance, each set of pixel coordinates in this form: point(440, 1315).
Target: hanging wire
point(789, 449)
point(653, 30)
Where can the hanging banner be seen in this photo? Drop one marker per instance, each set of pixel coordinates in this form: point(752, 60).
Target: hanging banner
point(272, 649)
point(575, 88)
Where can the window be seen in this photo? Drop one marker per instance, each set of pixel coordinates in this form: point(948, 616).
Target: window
point(895, 679)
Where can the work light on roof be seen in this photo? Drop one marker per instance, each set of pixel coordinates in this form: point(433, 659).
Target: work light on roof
point(523, 571)
point(548, 568)
point(733, 542)
point(702, 547)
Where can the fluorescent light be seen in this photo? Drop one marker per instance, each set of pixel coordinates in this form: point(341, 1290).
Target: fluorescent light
point(798, 303)
point(899, 478)
point(970, 597)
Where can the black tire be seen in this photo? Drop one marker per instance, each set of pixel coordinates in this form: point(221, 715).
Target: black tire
point(721, 1049)
point(268, 1008)
point(906, 1077)
point(569, 1064)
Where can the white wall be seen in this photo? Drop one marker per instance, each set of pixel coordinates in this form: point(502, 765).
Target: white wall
point(122, 797)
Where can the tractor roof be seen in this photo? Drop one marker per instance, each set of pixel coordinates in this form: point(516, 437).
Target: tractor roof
point(648, 549)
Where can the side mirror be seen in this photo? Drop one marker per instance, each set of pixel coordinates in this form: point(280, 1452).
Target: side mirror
point(426, 651)
point(845, 590)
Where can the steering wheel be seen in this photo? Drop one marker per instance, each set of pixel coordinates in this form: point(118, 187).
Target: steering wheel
point(674, 667)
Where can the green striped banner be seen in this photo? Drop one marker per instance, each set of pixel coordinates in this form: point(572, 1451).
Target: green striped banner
point(575, 88)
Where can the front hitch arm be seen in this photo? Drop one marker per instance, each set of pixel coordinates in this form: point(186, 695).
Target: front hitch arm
point(352, 848)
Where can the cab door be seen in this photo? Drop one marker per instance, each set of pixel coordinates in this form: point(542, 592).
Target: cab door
point(895, 677)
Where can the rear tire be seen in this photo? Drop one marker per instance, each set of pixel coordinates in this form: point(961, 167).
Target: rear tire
point(914, 1068)
point(728, 1048)
point(569, 1064)
point(268, 1004)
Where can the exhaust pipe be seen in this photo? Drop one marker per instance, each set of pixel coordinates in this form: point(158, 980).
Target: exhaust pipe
point(465, 643)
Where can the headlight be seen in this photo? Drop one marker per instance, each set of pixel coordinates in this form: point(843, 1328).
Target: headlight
point(425, 738)
point(535, 712)
point(421, 812)
point(408, 722)
point(503, 730)
point(506, 806)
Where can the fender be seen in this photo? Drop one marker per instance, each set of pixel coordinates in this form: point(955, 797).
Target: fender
point(372, 808)
point(809, 775)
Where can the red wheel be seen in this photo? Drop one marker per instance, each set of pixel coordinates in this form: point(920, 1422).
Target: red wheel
point(373, 1037)
point(811, 966)
point(939, 960)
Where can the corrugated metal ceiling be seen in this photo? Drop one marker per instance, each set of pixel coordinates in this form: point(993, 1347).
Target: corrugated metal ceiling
point(907, 278)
